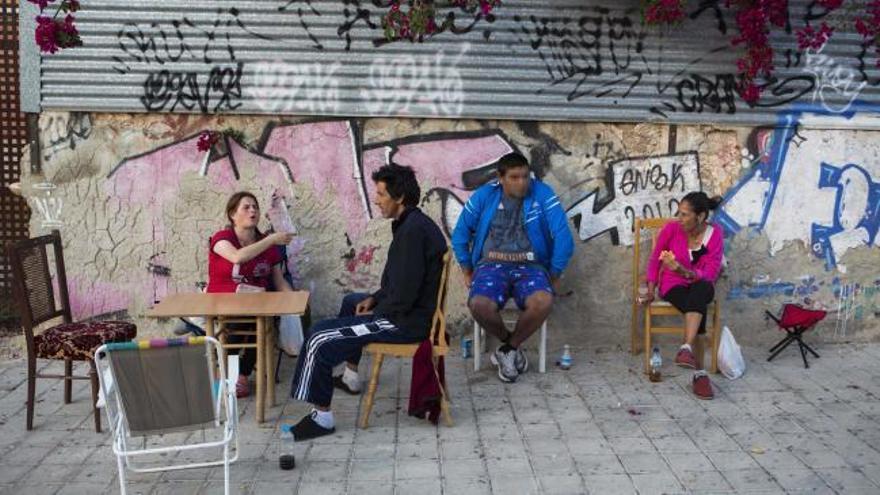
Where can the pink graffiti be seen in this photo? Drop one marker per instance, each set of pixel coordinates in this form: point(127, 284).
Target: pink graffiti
point(89, 298)
point(323, 155)
point(152, 180)
point(364, 257)
point(439, 163)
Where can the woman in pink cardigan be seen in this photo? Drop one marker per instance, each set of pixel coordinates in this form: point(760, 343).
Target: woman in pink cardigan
point(686, 261)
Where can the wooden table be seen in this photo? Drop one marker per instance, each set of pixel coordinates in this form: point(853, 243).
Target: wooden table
point(261, 306)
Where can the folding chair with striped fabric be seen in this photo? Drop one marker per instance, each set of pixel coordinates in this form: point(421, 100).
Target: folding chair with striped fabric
point(157, 387)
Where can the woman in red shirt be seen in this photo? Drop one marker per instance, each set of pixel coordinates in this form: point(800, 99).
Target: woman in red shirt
point(243, 259)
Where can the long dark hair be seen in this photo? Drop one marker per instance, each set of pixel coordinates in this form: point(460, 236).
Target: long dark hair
point(701, 203)
point(232, 207)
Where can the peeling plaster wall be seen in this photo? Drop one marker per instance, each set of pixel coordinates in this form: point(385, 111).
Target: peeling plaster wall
point(802, 207)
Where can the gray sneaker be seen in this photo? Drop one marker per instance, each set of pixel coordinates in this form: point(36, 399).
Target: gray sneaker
point(506, 362)
point(521, 361)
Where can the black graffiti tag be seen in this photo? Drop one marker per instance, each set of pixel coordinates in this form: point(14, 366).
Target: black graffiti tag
point(602, 43)
point(165, 90)
point(180, 40)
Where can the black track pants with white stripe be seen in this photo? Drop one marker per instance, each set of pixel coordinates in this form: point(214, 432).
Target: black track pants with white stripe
point(324, 349)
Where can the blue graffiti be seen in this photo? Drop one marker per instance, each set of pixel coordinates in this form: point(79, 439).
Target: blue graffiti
point(855, 213)
point(866, 218)
point(761, 290)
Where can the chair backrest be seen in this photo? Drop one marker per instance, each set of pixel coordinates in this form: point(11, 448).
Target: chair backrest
point(32, 281)
point(653, 225)
point(438, 325)
point(163, 385)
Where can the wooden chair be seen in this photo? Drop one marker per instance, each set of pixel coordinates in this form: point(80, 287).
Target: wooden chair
point(663, 308)
point(440, 348)
point(68, 341)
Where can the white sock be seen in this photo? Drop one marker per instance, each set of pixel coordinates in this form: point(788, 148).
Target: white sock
point(351, 378)
point(687, 346)
point(324, 418)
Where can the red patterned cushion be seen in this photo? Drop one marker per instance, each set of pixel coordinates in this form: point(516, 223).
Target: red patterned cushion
point(78, 341)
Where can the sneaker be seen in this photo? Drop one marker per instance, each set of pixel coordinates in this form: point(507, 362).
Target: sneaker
point(703, 386)
point(685, 358)
point(506, 362)
point(339, 383)
point(308, 429)
point(242, 387)
point(521, 361)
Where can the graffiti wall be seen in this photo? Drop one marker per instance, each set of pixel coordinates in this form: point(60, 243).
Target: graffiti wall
point(591, 60)
point(138, 202)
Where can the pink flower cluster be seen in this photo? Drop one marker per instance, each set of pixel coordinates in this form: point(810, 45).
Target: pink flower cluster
point(207, 140)
point(418, 20)
point(868, 26)
point(752, 22)
point(52, 33)
point(813, 39)
point(754, 19)
point(664, 11)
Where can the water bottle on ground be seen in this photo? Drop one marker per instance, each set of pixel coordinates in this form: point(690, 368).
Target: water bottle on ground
point(286, 459)
point(467, 346)
point(565, 360)
point(656, 363)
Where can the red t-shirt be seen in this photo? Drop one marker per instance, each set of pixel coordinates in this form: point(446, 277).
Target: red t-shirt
point(224, 276)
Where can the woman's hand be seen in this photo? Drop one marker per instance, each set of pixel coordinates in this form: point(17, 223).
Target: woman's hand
point(668, 260)
point(281, 238)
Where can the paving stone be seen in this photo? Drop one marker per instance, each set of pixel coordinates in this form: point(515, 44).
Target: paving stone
point(777, 430)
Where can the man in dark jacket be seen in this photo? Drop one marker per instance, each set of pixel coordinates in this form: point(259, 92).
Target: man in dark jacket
point(399, 312)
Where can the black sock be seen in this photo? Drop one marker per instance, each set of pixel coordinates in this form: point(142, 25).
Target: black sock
point(505, 348)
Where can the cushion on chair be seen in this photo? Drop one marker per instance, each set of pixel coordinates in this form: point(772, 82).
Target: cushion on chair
point(78, 341)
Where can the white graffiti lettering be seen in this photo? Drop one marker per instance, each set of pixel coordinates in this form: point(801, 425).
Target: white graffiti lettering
point(833, 81)
point(408, 85)
point(278, 87)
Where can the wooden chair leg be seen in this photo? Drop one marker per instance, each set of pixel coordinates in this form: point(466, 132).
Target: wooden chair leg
point(93, 377)
point(371, 390)
point(647, 341)
point(700, 350)
point(634, 330)
point(444, 410)
point(31, 391)
point(68, 383)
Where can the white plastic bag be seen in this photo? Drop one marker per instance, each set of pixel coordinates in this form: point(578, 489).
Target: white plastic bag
point(730, 359)
point(290, 334)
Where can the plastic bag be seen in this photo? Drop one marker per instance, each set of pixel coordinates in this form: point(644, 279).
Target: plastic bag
point(290, 334)
point(730, 359)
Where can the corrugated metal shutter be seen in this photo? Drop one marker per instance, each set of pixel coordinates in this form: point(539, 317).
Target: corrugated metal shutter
point(554, 60)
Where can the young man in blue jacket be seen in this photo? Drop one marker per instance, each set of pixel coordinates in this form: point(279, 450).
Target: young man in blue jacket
point(512, 240)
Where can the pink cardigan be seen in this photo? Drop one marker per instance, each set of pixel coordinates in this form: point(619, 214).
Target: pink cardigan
point(674, 238)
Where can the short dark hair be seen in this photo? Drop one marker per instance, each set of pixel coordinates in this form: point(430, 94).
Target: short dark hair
point(400, 181)
point(509, 161)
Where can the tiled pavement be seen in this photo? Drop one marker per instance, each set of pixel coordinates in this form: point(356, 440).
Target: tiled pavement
point(600, 427)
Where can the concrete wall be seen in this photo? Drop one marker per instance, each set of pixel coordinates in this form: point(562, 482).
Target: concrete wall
point(139, 202)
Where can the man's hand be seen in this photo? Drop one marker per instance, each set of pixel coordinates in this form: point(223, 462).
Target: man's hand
point(468, 277)
point(365, 307)
point(555, 282)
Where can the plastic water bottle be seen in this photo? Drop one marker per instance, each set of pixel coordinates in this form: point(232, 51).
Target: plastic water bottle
point(467, 346)
point(656, 363)
point(565, 360)
point(286, 459)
